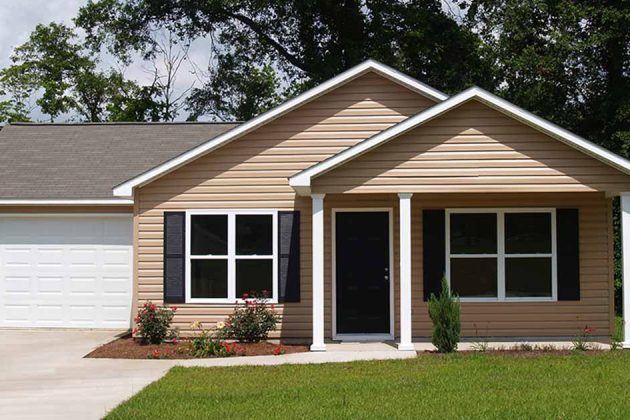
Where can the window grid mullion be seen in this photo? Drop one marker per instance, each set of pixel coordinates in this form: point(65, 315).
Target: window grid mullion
point(501, 255)
point(231, 256)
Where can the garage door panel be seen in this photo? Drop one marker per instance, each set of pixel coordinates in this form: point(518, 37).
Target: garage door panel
point(68, 271)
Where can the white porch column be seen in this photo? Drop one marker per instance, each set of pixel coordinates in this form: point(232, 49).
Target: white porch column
point(625, 256)
point(405, 272)
point(318, 273)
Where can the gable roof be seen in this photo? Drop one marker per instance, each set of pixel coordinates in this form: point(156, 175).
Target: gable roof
point(81, 163)
point(126, 188)
point(301, 182)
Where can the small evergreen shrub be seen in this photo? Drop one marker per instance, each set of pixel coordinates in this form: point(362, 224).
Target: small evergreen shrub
point(444, 313)
point(154, 323)
point(252, 322)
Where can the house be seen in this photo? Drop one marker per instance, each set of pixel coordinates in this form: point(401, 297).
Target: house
point(347, 203)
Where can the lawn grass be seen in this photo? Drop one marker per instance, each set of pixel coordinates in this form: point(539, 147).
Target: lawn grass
point(430, 386)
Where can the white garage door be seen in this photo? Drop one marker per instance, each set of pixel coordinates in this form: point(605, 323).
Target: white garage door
point(70, 271)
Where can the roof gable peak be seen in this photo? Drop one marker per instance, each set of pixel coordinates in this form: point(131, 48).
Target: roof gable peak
point(301, 182)
point(126, 188)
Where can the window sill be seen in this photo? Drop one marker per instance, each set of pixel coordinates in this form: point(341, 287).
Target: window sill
point(507, 300)
point(225, 301)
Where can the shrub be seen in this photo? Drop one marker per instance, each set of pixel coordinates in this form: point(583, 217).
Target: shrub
point(444, 312)
point(206, 344)
point(154, 323)
point(251, 322)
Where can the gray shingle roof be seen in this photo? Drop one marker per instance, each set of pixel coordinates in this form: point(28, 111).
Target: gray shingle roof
point(85, 161)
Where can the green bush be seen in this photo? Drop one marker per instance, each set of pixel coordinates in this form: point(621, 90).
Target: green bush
point(154, 323)
point(444, 312)
point(252, 322)
point(206, 344)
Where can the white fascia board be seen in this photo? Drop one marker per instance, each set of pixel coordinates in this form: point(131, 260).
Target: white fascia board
point(302, 181)
point(64, 202)
point(126, 188)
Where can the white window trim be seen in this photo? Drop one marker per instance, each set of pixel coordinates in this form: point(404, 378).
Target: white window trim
point(231, 255)
point(501, 255)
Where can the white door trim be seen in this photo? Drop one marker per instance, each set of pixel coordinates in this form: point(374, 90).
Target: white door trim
point(363, 337)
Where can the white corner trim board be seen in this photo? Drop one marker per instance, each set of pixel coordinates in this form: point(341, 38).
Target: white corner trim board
point(65, 202)
point(301, 182)
point(126, 188)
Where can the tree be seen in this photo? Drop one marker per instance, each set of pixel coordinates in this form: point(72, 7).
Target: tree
point(567, 61)
point(47, 62)
point(11, 112)
point(235, 90)
point(55, 67)
point(303, 43)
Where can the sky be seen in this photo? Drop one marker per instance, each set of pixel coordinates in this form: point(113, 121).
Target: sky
point(18, 18)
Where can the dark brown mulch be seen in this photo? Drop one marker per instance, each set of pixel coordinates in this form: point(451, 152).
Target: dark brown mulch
point(129, 348)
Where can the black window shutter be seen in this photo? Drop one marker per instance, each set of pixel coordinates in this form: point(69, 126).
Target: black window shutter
point(434, 251)
point(174, 257)
point(568, 247)
point(289, 256)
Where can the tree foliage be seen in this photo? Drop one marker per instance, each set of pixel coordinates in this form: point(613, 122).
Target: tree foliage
point(568, 61)
point(56, 68)
point(264, 51)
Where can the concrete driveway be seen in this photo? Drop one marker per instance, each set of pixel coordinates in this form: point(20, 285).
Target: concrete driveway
point(43, 375)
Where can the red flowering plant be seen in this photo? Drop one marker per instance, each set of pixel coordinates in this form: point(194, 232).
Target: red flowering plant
point(278, 350)
point(252, 321)
point(581, 340)
point(154, 323)
point(207, 343)
point(157, 354)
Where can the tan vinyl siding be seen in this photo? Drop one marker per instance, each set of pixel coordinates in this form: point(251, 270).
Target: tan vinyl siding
point(252, 172)
point(473, 148)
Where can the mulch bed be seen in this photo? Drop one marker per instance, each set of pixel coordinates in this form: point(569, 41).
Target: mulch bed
point(128, 348)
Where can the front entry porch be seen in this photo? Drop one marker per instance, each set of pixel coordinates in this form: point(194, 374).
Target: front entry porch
point(363, 259)
point(370, 259)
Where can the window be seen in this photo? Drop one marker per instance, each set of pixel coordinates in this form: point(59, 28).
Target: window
point(505, 254)
point(231, 253)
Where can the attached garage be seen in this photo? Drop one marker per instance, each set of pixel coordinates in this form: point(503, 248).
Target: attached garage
point(66, 243)
point(67, 271)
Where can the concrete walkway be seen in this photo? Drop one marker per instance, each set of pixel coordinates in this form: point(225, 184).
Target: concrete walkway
point(43, 373)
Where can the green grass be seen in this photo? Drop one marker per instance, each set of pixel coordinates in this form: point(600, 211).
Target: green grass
point(460, 386)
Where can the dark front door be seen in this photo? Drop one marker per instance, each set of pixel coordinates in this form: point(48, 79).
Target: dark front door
point(362, 272)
